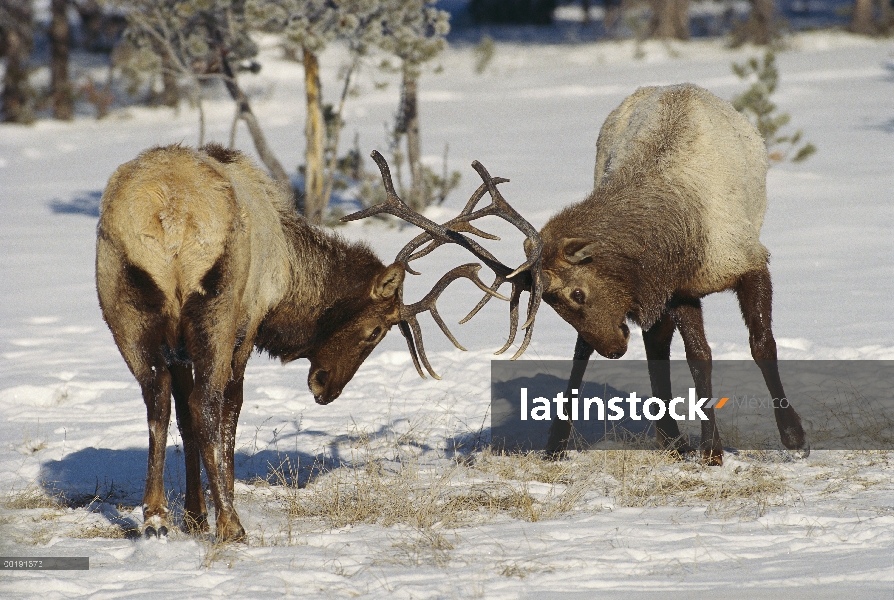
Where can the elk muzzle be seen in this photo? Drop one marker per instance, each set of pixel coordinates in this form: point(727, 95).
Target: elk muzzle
point(613, 345)
point(319, 381)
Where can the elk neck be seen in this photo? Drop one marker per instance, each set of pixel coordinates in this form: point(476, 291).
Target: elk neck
point(330, 278)
point(649, 239)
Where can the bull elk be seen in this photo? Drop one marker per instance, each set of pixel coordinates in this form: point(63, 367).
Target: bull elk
point(675, 215)
point(200, 259)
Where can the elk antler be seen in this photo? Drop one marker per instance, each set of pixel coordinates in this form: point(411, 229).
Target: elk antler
point(527, 277)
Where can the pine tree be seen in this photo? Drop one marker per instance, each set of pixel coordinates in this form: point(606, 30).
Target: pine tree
point(414, 32)
point(199, 40)
point(17, 33)
point(755, 104)
point(308, 26)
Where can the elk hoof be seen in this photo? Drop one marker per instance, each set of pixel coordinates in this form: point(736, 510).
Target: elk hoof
point(796, 442)
point(151, 532)
point(556, 449)
point(713, 456)
point(195, 523)
point(683, 450)
point(801, 453)
point(231, 531)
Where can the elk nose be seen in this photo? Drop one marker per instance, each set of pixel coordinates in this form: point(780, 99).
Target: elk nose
point(317, 381)
point(615, 355)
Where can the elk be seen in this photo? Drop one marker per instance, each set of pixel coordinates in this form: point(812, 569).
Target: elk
point(200, 259)
point(675, 215)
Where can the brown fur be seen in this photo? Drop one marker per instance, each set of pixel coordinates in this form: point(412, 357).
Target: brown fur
point(675, 215)
point(200, 259)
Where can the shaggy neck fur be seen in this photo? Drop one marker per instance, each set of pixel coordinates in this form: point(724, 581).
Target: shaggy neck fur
point(655, 251)
point(335, 282)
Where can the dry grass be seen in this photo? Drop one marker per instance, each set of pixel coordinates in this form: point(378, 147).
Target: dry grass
point(29, 497)
point(398, 480)
point(391, 492)
point(101, 530)
point(391, 482)
point(650, 478)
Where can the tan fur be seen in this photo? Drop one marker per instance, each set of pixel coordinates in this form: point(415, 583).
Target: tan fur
point(709, 150)
point(177, 213)
point(200, 259)
point(675, 215)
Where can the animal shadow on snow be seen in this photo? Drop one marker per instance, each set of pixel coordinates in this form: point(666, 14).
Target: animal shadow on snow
point(86, 203)
point(111, 482)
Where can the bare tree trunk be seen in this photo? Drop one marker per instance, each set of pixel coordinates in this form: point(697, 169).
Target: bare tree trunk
point(313, 131)
point(862, 20)
point(886, 16)
point(613, 11)
point(410, 121)
point(761, 25)
point(200, 104)
point(254, 128)
point(91, 23)
point(17, 98)
point(763, 13)
point(333, 142)
point(63, 95)
point(670, 19)
point(170, 91)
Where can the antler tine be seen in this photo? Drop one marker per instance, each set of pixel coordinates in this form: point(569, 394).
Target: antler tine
point(408, 335)
point(457, 225)
point(431, 231)
point(397, 207)
point(429, 303)
point(528, 326)
point(527, 277)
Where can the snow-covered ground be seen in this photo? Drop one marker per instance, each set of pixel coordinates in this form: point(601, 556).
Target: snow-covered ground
point(400, 500)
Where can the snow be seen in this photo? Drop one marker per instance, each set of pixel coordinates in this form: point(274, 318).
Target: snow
point(72, 420)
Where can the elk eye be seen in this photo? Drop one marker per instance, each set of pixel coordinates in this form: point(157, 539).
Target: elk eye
point(578, 296)
point(374, 335)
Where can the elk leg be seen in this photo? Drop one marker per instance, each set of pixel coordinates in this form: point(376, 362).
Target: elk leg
point(210, 341)
point(157, 397)
point(195, 517)
point(132, 306)
point(560, 430)
point(687, 315)
point(233, 404)
point(231, 409)
point(206, 407)
point(755, 293)
point(657, 340)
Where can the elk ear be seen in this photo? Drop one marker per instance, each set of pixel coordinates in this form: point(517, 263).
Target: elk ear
point(578, 250)
point(388, 282)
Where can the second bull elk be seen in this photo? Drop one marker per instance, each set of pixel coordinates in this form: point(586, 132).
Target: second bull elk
point(200, 259)
point(675, 215)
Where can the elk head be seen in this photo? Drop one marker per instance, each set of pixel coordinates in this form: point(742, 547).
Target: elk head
point(350, 329)
point(590, 297)
point(525, 278)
